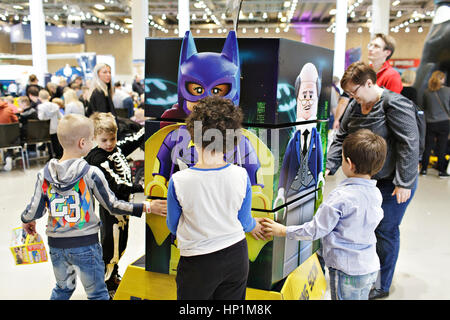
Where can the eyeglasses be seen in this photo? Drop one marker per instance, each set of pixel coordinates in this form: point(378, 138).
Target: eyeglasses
point(352, 93)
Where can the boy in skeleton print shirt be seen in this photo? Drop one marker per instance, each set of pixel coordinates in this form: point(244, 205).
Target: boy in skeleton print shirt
point(110, 156)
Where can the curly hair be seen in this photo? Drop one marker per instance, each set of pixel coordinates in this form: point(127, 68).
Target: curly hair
point(218, 119)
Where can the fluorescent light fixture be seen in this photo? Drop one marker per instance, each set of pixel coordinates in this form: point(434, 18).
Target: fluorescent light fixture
point(395, 3)
point(99, 6)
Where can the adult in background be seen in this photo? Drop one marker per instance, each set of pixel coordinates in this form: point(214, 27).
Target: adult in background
point(380, 50)
point(71, 102)
point(137, 85)
point(101, 91)
point(32, 82)
point(122, 99)
point(393, 117)
point(437, 114)
point(408, 78)
point(7, 116)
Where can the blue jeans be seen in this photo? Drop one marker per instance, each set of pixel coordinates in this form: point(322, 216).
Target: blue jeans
point(388, 232)
point(85, 261)
point(347, 287)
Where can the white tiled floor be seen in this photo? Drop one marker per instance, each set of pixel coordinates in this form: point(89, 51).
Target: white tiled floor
point(420, 272)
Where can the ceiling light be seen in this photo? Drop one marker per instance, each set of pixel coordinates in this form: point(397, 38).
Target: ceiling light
point(17, 7)
point(99, 6)
point(287, 4)
point(264, 15)
point(163, 16)
point(395, 3)
point(250, 15)
point(407, 29)
point(332, 12)
point(111, 31)
point(244, 30)
point(256, 30)
point(88, 31)
point(127, 20)
point(399, 14)
point(277, 30)
point(100, 31)
point(420, 30)
point(360, 30)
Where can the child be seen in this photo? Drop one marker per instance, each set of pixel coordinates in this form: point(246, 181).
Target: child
point(65, 188)
point(50, 111)
point(347, 219)
point(208, 209)
point(110, 157)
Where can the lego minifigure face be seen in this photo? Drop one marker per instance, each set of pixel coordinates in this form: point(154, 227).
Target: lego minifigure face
point(307, 100)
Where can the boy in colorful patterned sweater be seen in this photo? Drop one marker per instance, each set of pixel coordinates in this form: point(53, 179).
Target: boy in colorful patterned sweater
point(66, 189)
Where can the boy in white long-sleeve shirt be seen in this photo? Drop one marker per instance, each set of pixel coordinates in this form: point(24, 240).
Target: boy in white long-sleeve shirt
point(50, 111)
point(209, 210)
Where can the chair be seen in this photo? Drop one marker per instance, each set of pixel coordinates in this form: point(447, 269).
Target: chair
point(37, 131)
point(123, 113)
point(10, 138)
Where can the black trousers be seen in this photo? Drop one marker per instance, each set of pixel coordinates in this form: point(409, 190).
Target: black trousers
point(439, 131)
point(114, 238)
point(220, 275)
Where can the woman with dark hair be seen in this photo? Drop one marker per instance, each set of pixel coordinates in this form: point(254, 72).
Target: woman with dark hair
point(436, 100)
point(101, 91)
point(393, 117)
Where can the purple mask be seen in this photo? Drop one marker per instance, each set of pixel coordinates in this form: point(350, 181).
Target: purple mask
point(208, 73)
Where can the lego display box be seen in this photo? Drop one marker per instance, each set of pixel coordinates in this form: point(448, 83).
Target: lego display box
point(283, 88)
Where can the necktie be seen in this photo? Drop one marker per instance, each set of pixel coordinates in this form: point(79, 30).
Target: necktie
point(305, 142)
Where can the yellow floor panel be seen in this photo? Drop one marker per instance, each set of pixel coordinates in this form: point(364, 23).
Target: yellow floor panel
point(305, 282)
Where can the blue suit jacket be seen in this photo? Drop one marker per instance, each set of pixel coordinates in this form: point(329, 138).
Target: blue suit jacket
point(291, 160)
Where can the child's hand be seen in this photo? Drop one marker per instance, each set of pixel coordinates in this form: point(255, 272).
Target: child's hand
point(257, 231)
point(30, 227)
point(158, 207)
point(272, 228)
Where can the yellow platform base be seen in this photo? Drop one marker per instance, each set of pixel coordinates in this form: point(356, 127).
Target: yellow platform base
point(307, 282)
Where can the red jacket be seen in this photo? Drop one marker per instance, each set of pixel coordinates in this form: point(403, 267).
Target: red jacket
point(7, 114)
point(388, 78)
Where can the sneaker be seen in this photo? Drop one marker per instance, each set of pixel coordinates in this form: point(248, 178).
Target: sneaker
point(8, 164)
point(423, 172)
point(443, 174)
point(377, 294)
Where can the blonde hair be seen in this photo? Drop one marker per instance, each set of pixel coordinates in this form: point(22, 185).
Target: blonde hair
point(434, 84)
point(24, 100)
point(44, 95)
point(59, 102)
point(408, 76)
point(72, 128)
point(70, 95)
point(104, 123)
point(96, 83)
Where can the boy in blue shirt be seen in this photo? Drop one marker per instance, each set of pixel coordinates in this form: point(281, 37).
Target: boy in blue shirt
point(209, 210)
point(347, 219)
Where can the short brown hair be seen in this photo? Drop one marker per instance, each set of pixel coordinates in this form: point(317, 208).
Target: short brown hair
point(434, 84)
point(104, 122)
point(389, 43)
point(366, 150)
point(216, 113)
point(358, 73)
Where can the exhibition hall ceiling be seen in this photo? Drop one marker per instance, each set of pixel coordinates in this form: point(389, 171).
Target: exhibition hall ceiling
point(217, 14)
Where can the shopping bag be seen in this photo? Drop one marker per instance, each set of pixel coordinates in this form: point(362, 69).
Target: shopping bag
point(26, 248)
